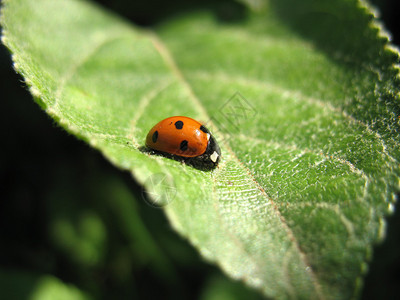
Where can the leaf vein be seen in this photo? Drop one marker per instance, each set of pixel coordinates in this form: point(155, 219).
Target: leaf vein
point(293, 94)
point(294, 147)
point(80, 62)
point(171, 63)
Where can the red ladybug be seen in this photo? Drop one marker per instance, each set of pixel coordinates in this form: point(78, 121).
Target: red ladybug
point(185, 137)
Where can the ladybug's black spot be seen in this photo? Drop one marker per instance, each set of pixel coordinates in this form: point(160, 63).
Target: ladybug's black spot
point(205, 130)
point(179, 124)
point(155, 136)
point(184, 145)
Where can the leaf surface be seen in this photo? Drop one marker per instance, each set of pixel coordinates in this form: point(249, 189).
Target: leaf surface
point(307, 123)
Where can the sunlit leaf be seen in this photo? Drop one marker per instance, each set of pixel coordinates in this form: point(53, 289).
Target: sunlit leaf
point(303, 98)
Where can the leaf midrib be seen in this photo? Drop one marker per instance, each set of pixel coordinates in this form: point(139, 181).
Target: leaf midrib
point(161, 48)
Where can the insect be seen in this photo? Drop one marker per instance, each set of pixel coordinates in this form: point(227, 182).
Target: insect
point(187, 138)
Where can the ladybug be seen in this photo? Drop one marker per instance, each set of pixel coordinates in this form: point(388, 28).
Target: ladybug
point(187, 138)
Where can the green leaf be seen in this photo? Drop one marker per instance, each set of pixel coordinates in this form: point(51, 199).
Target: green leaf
point(303, 98)
point(23, 285)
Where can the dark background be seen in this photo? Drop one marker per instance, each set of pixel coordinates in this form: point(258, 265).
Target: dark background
point(45, 172)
